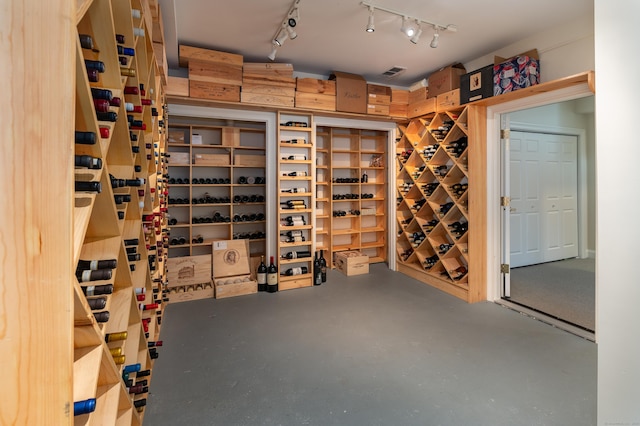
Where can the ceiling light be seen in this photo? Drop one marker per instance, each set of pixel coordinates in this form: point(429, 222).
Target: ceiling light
point(370, 26)
point(280, 38)
point(434, 41)
point(408, 27)
point(291, 32)
point(274, 51)
point(416, 36)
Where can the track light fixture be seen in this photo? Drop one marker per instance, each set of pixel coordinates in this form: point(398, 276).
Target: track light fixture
point(434, 41)
point(411, 26)
point(370, 25)
point(286, 29)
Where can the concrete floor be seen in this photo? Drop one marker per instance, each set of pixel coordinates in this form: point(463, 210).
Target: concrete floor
point(377, 349)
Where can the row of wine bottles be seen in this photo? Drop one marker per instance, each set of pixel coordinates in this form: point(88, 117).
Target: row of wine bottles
point(200, 181)
point(352, 196)
point(267, 277)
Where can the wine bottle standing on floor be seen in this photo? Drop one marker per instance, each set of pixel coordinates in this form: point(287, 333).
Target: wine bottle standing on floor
point(323, 266)
point(272, 277)
point(261, 275)
point(317, 270)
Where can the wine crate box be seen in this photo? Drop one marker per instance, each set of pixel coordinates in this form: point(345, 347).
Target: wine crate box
point(476, 85)
point(176, 136)
point(399, 96)
point(420, 94)
point(214, 91)
point(267, 89)
point(351, 92)
point(215, 73)
point(315, 101)
point(378, 95)
point(319, 87)
point(515, 73)
point(188, 270)
point(189, 53)
point(211, 159)
point(445, 80)
point(448, 100)
point(190, 292)
point(249, 160)
point(426, 106)
point(232, 269)
point(377, 109)
point(271, 100)
point(181, 158)
point(398, 110)
point(351, 262)
point(177, 86)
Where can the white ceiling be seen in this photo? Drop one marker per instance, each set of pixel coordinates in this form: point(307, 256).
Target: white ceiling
point(331, 33)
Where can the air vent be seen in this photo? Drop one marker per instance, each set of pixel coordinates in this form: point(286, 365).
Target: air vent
point(393, 72)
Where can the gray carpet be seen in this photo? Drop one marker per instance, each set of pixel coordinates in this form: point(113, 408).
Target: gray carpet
point(378, 349)
point(565, 289)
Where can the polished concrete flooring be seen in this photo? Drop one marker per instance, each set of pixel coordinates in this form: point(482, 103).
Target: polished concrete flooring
point(377, 349)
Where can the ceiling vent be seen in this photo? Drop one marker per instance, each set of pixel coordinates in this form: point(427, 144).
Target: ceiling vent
point(394, 72)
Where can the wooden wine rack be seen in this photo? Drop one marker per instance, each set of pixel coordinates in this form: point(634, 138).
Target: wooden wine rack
point(435, 191)
point(101, 226)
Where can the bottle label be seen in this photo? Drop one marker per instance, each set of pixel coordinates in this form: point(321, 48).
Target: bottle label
point(296, 271)
point(262, 278)
point(272, 279)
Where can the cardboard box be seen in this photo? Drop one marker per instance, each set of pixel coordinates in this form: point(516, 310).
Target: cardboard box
point(231, 269)
point(351, 262)
point(448, 100)
point(476, 85)
point(445, 80)
point(515, 73)
point(351, 92)
point(177, 86)
point(211, 159)
point(315, 101)
point(312, 85)
point(188, 270)
point(214, 91)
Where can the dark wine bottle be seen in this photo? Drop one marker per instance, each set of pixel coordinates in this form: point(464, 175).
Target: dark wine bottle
point(97, 303)
point(272, 277)
point(296, 174)
point(261, 275)
point(296, 271)
point(85, 138)
point(101, 316)
point(297, 254)
point(88, 162)
point(317, 270)
point(91, 186)
point(96, 275)
point(97, 264)
point(97, 290)
point(323, 266)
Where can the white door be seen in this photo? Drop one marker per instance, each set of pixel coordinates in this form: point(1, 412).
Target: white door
point(543, 175)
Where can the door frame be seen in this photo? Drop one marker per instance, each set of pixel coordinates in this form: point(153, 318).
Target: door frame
point(493, 242)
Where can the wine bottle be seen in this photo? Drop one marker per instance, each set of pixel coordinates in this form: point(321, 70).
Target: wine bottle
point(297, 254)
point(85, 138)
point(84, 407)
point(323, 266)
point(91, 186)
point(317, 271)
point(97, 290)
point(94, 265)
point(296, 271)
point(95, 275)
point(294, 190)
point(101, 316)
point(113, 337)
point(272, 277)
point(295, 174)
point(97, 303)
point(365, 177)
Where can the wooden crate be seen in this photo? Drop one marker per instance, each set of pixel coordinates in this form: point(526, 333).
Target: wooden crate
point(312, 85)
point(189, 53)
point(293, 283)
point(377, 109)
point(418, 95)
point(269, 79)
point(187, 293)
point(214, 91)
point(315, 101)
point(375, 99)
point(351, 262)
point(271, 100)
point(399, 96)
point(398, 110)
point(231, 269)
point(423, 107)
point(181, 158)
point(188, 270)
point(267, 89)
point(249, 160)
point(448, 100)
point(211, 159)
point(268, 68)
point(215, 72)
point(177, 86)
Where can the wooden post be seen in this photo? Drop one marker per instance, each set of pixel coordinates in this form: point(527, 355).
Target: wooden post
point(37, 69)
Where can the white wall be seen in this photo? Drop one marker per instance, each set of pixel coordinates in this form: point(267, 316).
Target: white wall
point(618, 154)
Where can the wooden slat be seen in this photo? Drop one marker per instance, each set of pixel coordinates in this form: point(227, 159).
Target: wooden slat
point(219, 73)
point(190, 53)
point(36, 179)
